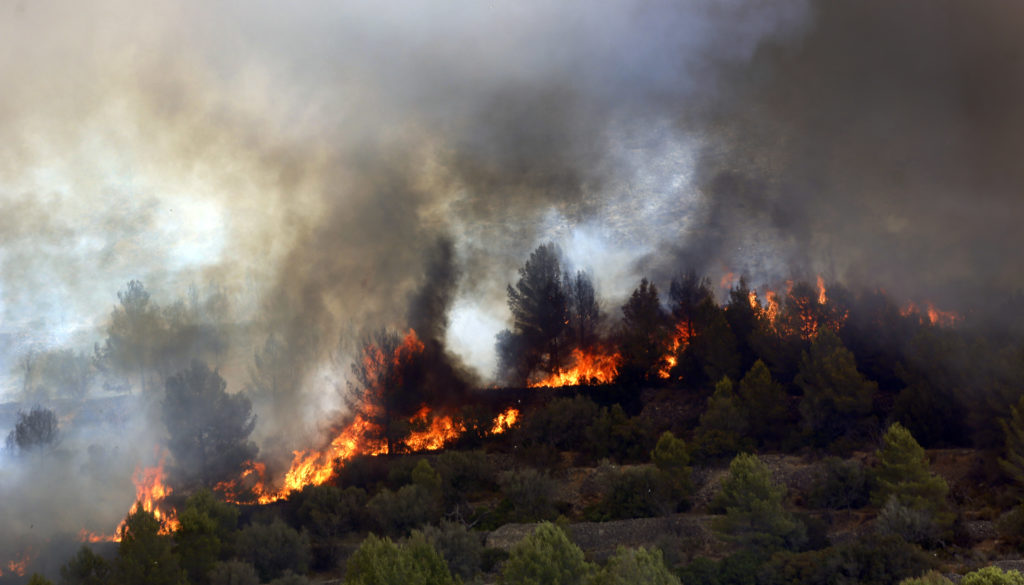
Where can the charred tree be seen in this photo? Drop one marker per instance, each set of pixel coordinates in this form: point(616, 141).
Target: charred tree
point(540, 309)
point(208, 428)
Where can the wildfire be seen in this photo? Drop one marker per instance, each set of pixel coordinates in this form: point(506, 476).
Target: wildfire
point(593, 367)
point(935, 316)
point(505, 421)
point(150, 492)
point(680, 339)
point(16, 567)
point(822, 299)
point(440, 430)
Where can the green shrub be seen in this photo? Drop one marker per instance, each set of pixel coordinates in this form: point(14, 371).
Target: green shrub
point(916, 525)
point(561, 423)
point(233, 573)
point(273, 549)
point(638, 492)
point(399, 512)
point(548, 557)
point(993, 576)
point(464, 474)
point(380, 561)
point(328, 513)
point(842, 485)
point(461, 548)
point(632, 566)
point(615, 435)
point(929, 578)
point(754, 514)
point(1010, 527)
point(531, 494)
point(85, 568)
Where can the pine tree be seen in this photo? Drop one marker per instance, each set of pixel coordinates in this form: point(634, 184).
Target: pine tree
point(837, 397)
point(753, 505)
point(723, 425)
point(765, 402)
point(903, 473)
point(1013, 429)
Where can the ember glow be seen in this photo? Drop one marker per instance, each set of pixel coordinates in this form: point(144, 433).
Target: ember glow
point(17, 566)
point(589, 367)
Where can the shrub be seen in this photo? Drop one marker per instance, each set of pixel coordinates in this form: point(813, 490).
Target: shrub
point(615, 435)
point(754, 514)
point(380, 561)
point(868, 561)
point(929, 578)
point(85, 568)
point(916, 525)
point(562, 423)
point(638, 492)
point(546, 556)
point(530, 493)
point(843, 484)
point(290, 579)
point(399, 512)
point(273, 549)
point(233, 573)
point(993, 576)
point(903, 472)
point(461, 548)
point(328, 513)
point(632, 566)
point(464, 473)
point(1010, 527)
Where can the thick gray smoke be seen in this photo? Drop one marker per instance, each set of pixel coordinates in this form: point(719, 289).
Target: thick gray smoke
point(336, 169)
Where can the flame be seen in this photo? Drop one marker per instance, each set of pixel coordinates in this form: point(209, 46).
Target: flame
point(16, 567)
point(589, 367)
point(727, 280)
point(680, 339)
point(771, 308)
point(822, 299)
point(86, 536)
point(754, 303)
point(935, 316)
point(440, 430)
point(505, 421)
point(150, 491)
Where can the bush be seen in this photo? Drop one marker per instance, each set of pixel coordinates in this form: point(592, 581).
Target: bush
point(615, 435)
point(461, 548)
point(530, 493)
point(399, 512)
point(633, 566)
point(273, 549)
point(290, 579)
point(328, 513)
point(903, 472)
point(869, 561)
point(701, 571)
point(638, 492)
point(842, 485)
point(1010, 527)
point(916, 525)
point(85, 568)
point(233, 573)
point(380, 561)
point(562, 423)
point(754, 514)
point(929, 578)
point(205, 533)
point(464, 473)
point(993, 576)
point(546, 556)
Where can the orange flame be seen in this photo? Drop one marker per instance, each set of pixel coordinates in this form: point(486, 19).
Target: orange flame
point(680, 339)
point(150, 491)
point(822, 299)
point(505, 421)
point(440, 430)
point(935, 316)
point(16, 567)
point(593, 367)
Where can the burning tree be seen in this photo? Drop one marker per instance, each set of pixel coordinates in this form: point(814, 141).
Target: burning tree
point(383, 393)
point(644, 335)
point(208, 428)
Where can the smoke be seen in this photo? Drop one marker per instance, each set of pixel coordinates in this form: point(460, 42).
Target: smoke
point(337, 169)
point(877, 148)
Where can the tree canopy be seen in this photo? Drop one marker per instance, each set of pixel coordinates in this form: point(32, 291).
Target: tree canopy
point(208, 429)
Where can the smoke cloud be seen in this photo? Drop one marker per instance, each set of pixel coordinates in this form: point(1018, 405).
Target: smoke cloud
point(335, 169)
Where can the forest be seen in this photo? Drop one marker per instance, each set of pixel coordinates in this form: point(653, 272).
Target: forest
point(810, 434)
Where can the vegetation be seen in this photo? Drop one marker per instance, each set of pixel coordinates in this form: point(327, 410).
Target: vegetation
point(698, 384)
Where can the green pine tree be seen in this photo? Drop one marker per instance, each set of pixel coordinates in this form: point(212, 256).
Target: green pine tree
point(753, 504)
point(766, 404)
point(903, 473)
point(837, 397)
